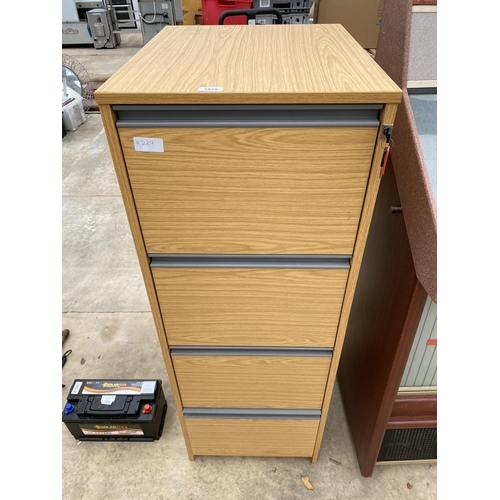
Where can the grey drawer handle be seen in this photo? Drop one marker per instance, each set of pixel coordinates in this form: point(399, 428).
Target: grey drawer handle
point(251, 261)
point(179, 116)
point(253, 413)
point(251, 351)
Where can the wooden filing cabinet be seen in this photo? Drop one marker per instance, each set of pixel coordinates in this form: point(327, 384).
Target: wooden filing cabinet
point(248, 158)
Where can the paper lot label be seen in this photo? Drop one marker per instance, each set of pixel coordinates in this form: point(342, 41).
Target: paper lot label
point(148, 144)
point(210, 89)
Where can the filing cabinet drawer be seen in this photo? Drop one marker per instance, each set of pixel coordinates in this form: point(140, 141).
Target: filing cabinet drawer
point(250, 190)
point(251, 381)
point(250, 307)
point(241, 437)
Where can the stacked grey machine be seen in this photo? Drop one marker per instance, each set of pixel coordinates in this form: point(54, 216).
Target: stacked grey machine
point(102, 22)
point(293, 11)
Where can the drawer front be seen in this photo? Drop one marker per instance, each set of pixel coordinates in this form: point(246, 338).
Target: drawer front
point(250, 307)
point(251, 381)
point(250, 190)
point(241, 437)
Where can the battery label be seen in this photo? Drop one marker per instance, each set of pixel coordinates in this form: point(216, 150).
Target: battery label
point(76, 388)
point(148, 387)
point(112, 430)
point(128, 387)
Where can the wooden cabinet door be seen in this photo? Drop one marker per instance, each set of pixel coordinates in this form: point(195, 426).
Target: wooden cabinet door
point(249, 381)
point(251, 307)
point(250, 190)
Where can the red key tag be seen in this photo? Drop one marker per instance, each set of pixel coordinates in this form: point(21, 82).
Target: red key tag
point(385, 157)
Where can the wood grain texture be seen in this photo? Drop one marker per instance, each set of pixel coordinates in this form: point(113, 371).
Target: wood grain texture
point(276, 64)
point(251, 307)
point(251, 190)
point(385, 314)
point(387, 116)
point(109, 120)
point(413, 411)
point(252, 381)
point(242, 437)
point(408, 462)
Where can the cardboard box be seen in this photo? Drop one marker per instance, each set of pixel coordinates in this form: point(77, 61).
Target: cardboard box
point(361, 18)
point(190, 9)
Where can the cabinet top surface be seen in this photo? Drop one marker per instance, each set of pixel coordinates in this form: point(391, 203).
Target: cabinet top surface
point(294, 64)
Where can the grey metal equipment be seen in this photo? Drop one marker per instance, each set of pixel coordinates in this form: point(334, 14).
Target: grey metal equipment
point(82, 25)
point(122, 15)
point(101, 28)
point(75, 30)
point(155, 15)
point(292, 11)
point(288, 18)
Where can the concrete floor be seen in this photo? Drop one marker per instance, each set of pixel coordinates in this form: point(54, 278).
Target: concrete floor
point(112, 334)
point(101, 64)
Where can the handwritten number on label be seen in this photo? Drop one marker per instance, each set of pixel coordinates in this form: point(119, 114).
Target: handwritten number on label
point(148, 144)
point(143, 142)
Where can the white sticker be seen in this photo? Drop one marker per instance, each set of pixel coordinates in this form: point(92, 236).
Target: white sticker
point(148, 144)
point(251, 21)
point(76, 388)
point(210, 89)
point(107, 400)
point(265, 3)
point(148, 387)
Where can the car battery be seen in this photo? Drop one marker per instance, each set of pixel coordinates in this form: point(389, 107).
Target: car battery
point(115, 410)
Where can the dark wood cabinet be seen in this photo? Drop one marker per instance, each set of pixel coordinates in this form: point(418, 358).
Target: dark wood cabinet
point(386, 312)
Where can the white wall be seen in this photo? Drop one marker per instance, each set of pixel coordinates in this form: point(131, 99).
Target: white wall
point(422, 64)
point(69, 12)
